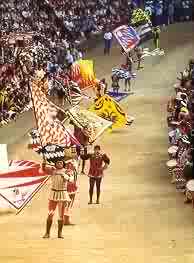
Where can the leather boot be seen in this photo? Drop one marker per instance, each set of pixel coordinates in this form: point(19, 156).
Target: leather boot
point(60, 228)
point(48, 228)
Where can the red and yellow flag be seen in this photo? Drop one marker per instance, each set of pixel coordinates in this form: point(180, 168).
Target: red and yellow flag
point(83, 73)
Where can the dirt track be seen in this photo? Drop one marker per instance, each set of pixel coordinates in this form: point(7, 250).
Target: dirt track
point(141, 218)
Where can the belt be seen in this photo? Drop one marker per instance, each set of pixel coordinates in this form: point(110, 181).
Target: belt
point(64, 190)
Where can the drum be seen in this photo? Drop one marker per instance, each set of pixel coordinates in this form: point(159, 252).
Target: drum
point(171, 134)
point(171, 164)
point(190, 190)
point(190, 185)
point(172, 152)
point(179, 179)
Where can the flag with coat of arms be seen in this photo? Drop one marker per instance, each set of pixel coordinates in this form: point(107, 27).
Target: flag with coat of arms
point(127, 37)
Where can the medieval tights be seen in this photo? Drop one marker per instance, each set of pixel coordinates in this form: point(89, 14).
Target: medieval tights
point(92, 182)
point(52, 207)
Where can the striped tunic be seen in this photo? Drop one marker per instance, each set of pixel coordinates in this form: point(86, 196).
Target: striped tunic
point(59, 180)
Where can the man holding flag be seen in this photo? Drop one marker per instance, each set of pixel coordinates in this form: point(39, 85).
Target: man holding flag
point(127, 37)
point(58, 195)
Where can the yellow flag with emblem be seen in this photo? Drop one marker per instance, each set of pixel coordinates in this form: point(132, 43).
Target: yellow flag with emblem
point(109, 109)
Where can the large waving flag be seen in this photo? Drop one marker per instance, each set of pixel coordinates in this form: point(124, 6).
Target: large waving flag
point(139, 17)
point(92, 125)
point(49, 127)
point(109, 109)
point(141, 22)
point(82, 72)
point(52, 153)
point(127, 37)
point(144, 32)
point(20, 182)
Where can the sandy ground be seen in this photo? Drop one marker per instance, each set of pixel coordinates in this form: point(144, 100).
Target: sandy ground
point(142, 218)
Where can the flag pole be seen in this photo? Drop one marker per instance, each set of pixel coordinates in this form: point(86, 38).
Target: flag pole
point(31, 196)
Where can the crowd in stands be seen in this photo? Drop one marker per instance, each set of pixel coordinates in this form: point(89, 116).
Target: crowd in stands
point(71, 20)
point(58, 27)
point(181, 125)
point(169, 11)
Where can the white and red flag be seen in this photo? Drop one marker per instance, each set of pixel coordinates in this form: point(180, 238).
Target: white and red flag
point(20, 182)
point(50, 129)
point(127, 37)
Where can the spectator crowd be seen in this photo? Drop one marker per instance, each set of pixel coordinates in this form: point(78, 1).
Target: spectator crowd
point(181, 137)
point(58, 28)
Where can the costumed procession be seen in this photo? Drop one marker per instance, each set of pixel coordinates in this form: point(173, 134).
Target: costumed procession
point(34, 77)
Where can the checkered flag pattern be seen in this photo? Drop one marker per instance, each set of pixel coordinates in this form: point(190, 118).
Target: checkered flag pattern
point(50, 129)
point(53, 153)
point(123, 74)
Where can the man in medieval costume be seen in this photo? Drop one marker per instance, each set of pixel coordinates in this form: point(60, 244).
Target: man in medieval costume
point(98, 163)
point(72, 170)
point(83, 140)
point(58, 195)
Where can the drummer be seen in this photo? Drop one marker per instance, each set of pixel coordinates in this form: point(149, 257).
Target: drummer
point(183, 151)
point(188, 175)
point(175, 133)
point(185, 127)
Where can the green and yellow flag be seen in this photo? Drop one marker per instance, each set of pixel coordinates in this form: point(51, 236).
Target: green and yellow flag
point(139, 17)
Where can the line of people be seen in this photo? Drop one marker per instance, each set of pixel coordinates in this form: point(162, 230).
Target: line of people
point(180, 120)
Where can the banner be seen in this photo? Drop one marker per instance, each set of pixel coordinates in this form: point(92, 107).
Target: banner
point(127, 37)
point(50, 129)
point(107, 108)
point(153, 53)
point(122, 73)
point(82, 72)
point(139, 17)
point(93, 126)
point(52, 153)
point(19, 183)
point(144, 32)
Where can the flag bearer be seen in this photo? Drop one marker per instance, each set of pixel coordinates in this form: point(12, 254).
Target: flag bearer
point(58, 195)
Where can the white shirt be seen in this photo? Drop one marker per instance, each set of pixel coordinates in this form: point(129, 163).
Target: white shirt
point(69, 58)
point(80, 55)
point(108, 36)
